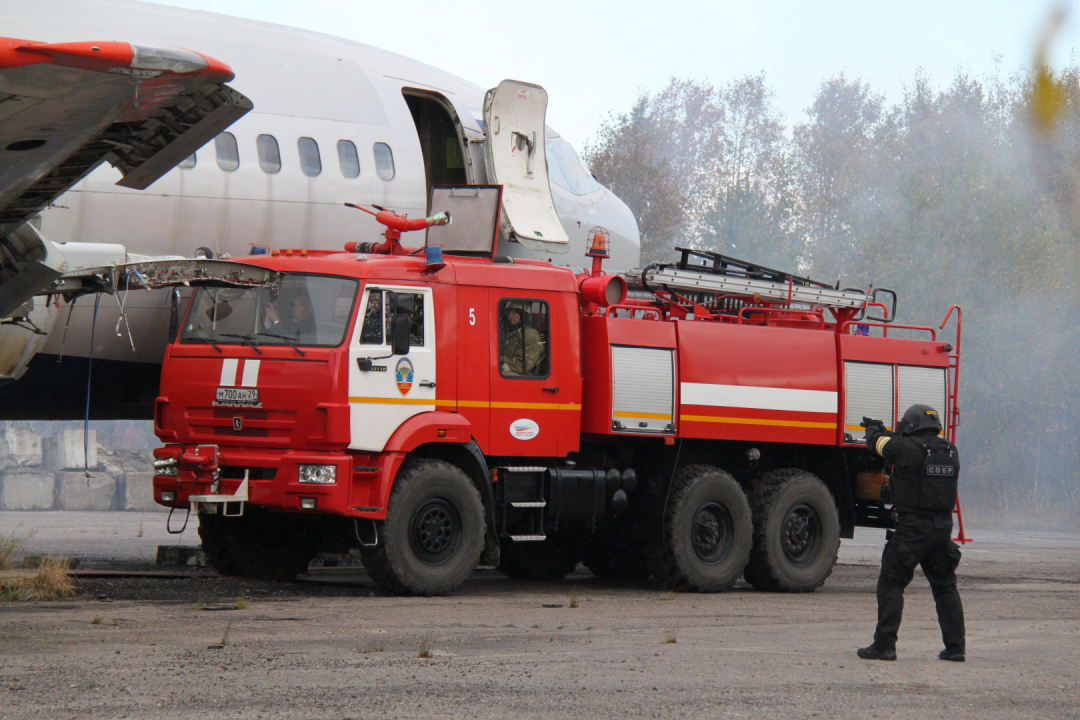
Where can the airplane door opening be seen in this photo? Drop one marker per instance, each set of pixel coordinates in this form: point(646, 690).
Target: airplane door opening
point(439, 130)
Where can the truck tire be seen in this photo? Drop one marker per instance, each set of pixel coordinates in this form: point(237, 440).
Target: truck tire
point(259, 543)
point(796, 532)
point(707, 531)
point(433, 533)
point(549, 560)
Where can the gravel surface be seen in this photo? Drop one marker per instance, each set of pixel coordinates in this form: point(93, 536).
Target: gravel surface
point(331, 645)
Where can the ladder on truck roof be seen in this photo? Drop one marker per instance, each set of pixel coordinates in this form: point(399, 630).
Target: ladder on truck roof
point(721, 275)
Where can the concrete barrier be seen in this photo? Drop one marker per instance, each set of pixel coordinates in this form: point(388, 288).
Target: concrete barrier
point(137, 492)
point(75, 492)
point(64, 451)
point(27, 489)
point(120, 462)
point(19, 447)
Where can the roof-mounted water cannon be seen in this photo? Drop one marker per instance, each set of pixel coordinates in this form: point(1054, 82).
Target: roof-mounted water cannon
point(395, 225)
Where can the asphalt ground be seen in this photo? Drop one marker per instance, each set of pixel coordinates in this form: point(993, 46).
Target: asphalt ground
point(331, 645)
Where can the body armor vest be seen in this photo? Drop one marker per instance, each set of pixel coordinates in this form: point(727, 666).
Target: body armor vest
point(934, 490)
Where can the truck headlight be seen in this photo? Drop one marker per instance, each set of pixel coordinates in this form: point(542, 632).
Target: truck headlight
point(318, 474)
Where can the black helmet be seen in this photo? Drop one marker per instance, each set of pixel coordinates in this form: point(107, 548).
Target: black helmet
point(919, 418)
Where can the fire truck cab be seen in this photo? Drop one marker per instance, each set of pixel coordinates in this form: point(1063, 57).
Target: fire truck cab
point(449, 406)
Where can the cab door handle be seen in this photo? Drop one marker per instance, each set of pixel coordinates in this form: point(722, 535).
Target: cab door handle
point(427, 384)
point(551, 390)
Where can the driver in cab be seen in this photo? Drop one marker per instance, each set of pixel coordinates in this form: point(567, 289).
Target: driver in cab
point(520, 347)
point(296, 317)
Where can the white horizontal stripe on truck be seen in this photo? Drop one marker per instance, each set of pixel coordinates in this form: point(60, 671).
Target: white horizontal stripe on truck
point(754, 397)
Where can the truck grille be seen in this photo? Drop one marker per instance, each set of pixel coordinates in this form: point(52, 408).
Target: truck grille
point(210, 423)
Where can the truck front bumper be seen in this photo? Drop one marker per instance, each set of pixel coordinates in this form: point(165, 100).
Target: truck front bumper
point(360, 488)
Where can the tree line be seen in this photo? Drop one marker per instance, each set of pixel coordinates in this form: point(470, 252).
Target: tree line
point(952, 195)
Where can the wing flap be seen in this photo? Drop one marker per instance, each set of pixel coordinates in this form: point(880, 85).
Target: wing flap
point(66, 108)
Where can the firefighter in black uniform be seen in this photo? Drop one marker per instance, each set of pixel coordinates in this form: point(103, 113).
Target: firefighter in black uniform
point(925, 469)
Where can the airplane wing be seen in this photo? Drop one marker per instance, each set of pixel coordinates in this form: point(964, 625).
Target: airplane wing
point(66, 108)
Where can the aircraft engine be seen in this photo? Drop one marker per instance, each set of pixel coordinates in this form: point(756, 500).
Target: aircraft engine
point(20, 341)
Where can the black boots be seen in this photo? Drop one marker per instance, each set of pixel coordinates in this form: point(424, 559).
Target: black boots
point(873, 652)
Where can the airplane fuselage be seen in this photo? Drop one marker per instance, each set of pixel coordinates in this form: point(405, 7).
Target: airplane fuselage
point(334, 121)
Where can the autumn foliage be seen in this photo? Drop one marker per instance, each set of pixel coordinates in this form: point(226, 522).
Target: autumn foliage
point(954, 194)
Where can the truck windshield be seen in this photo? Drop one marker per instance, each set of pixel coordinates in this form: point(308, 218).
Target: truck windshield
point(310, 310)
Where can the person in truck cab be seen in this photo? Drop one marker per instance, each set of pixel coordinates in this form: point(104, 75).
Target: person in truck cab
point(925, 468)
point(298, 320)
point(520, 346)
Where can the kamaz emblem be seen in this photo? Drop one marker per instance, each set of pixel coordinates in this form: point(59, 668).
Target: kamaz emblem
point(238, 424)
point(940, 470)
point(403, 375)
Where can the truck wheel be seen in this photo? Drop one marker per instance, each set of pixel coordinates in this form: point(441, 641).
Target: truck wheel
point(551, 559)
point(433, 533)
point(796, 532)
point(707, 530)
point(259, 544)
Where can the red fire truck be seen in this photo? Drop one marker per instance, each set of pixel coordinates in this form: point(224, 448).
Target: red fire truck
point(450, 406)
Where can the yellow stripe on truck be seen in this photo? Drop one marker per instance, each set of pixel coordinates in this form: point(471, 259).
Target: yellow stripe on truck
point(400, 401)
point(857, 428)
point(648, 416)
point(465, 403)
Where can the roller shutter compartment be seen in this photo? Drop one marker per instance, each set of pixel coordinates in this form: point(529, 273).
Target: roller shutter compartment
point(868, 392)
point(922, 386)
point(643, 392)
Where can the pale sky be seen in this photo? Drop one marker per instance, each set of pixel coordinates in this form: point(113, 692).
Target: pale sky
point(595, 57)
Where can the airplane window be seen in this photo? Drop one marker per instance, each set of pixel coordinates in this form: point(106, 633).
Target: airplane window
point(574, 173)
point(348, 159)
point(228, 157)
point(269, 155)
point(188, 162)
point(384, 161)
point(310, 162)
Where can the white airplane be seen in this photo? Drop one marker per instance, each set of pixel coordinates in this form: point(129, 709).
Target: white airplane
point(334, 121)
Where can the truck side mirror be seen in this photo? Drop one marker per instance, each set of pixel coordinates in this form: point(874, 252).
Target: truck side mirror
point(401, 335)
point(403, 307)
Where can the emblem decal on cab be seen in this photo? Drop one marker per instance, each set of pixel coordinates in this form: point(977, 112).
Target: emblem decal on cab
point(403, 374)
point(524, 429)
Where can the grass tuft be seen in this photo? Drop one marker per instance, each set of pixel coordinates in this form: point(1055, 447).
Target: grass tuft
point(96, 620)
point(427, 644)
point(9, 544)
point(225, 637)
point(374, 646)
point(50, 582)
point(242, 601)
point(140, 533)
point(671, 636)
point(667, 595)
point(573, 598)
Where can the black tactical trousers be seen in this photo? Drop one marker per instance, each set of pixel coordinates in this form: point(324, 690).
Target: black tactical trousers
point(925, 541)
